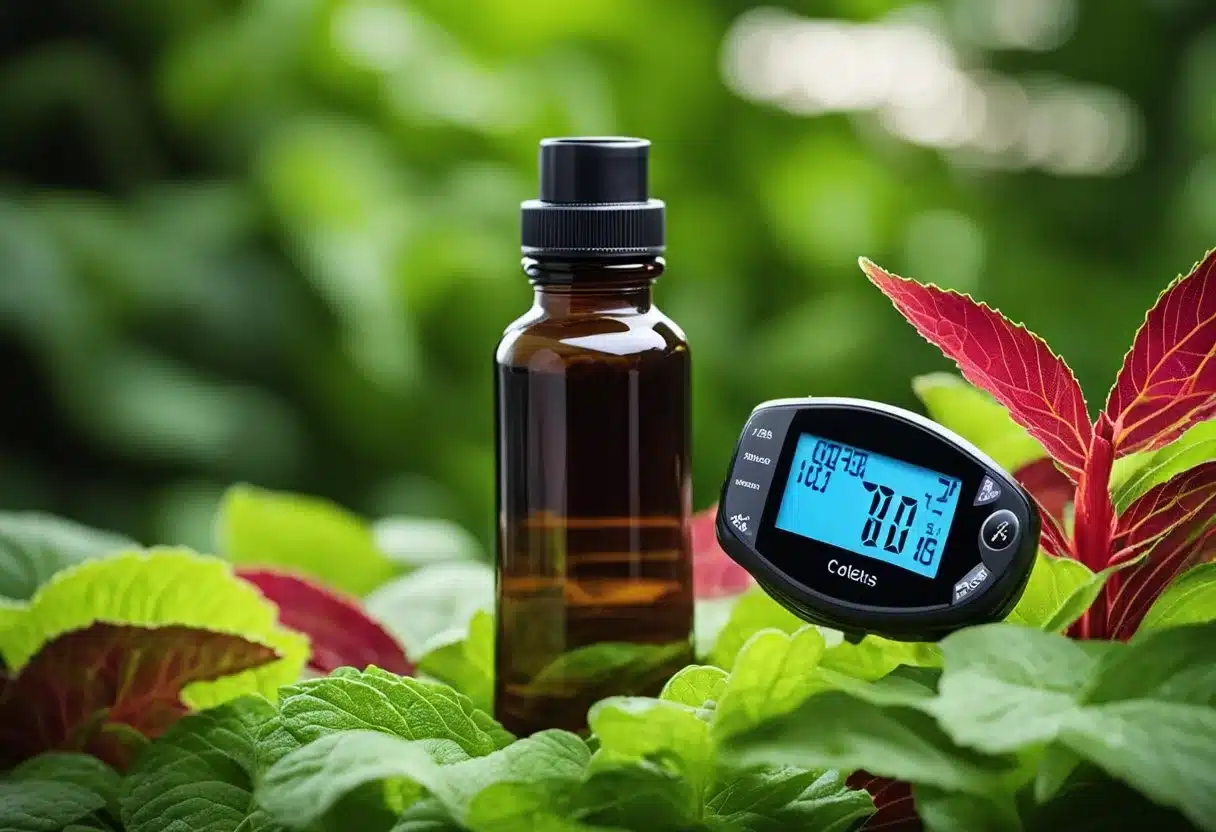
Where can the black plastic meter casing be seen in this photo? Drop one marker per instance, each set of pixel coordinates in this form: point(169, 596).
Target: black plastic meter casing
point(975, 583)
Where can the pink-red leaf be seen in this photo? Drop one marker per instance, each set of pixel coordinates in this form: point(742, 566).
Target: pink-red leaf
point(1094, 511)
point(1173, 524)
point(1168, 379)
point(342, 634)
point(1015, 366)
point(895, 809)
point(1053, 492)
point(1137, 587)
point(715, 575)
point(1180, 501)
point(104, 689)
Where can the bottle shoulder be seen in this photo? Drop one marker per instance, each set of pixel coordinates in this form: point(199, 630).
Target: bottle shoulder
point(610, 337)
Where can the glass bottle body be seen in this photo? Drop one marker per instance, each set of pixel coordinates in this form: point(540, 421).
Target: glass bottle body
point(594, 495)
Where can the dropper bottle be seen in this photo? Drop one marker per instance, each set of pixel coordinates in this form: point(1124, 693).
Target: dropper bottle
point(593, 431)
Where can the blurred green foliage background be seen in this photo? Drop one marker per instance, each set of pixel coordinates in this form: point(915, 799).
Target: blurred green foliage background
point(276, 241)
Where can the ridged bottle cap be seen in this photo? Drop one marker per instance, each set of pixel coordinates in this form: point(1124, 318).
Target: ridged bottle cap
point(594, 200)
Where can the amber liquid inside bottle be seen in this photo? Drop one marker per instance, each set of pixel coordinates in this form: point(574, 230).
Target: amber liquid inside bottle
point(594, 568)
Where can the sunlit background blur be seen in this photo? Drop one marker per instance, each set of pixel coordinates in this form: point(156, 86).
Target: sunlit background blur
point(276, 241)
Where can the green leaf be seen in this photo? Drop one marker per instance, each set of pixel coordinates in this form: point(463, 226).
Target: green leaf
point(759, 801)
point(975, 416)
point(839, 730)
point(45, 806)
point(75, 769)
point(874, 657)
point(464, 659)
point(408, 708)
point(948, 812)
point(1136, 474)
point(200, 775)
point(659, 731)
point(1053, 581)
point(303, 534)
point(303, 786)
point(621, 667)
point(160, 587)
point(34, 546)
point(1092, 802)
point(1056, 766)
point(1165, 750)
point(753, 611)
point(1006, 686)
point(773, 674)
point(432, 601)
point(1172, 665)
point(419, 541)
point(1083, 596)
point(625, 792)
point(1190, 599)
point(696, 686)
point(306, 784)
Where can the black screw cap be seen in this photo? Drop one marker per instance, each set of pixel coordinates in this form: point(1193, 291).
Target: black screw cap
point(594, 200)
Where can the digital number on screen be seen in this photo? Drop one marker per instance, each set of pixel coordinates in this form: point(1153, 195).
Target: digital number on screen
point(869, 504)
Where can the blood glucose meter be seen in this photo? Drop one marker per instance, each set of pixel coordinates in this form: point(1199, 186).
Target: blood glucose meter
point(867, 518)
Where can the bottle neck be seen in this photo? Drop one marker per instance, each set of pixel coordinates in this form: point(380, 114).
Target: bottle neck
point(571, 287)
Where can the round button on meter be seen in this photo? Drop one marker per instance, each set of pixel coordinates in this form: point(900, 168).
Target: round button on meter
point(871, 519)
point(1000, 530)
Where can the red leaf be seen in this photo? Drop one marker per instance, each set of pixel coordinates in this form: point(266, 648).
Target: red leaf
point(1137, 587)
point(896, 809)
point(1053, 492)
point(715, 575)
point(1173, 523)
point(1094, 512)
point(1015, 366)
point(100, 689)
point(1185, 499)
point(342, 634)
point(1168, 379)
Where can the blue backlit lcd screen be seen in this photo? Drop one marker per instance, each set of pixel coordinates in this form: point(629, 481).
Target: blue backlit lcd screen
point(869, 504)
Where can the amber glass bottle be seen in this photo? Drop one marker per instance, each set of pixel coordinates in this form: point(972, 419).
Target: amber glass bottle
point(592, 391)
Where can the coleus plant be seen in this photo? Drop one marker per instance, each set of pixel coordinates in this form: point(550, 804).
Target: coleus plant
point(1159, 520)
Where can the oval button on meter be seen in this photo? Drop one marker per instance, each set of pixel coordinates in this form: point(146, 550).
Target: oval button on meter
point(871, 519)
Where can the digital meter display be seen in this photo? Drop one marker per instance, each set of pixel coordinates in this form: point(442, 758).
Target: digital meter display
point(869, 504)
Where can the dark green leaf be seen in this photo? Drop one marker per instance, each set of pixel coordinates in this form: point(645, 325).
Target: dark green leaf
point(1175, 665)
point(760, 802)
point(45, 806)
point(1006, 686)
point(200, 775)
point(307, 784)
point(941, 811)
point(1165, 750)
point(33, 547)
point(841, 731)
point(77, 769)
point(399, 705)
